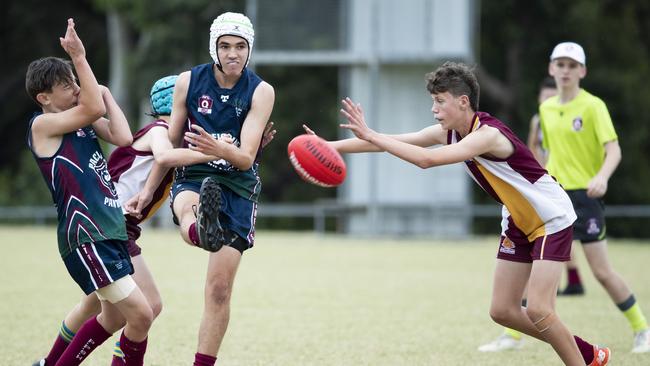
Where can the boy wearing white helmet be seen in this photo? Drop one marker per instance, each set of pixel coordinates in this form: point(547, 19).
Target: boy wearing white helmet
point(222, 107)
point(583, 153)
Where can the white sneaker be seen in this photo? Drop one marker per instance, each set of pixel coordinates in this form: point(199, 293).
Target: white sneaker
point(641, 342)
point(505, 342)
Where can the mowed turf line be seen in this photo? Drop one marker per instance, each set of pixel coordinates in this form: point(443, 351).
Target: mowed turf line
point(303, 299)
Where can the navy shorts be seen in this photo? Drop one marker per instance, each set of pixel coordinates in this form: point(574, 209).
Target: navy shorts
point(590, 225)
point(96, 265)
point(237, 214)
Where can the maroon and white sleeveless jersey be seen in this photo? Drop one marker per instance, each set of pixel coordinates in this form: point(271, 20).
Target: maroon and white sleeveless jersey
point(533, 201)
point(130, 168)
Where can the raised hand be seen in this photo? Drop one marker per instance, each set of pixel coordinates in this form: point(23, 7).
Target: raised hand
point(71, 42)
point(356, 120)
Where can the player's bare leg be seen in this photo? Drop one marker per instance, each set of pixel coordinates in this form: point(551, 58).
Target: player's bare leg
point(510, 281)
point(543, 283)
point(222, 268)
point(144, 279)
point(574, 283)
point(184, 205)
point(596, 254)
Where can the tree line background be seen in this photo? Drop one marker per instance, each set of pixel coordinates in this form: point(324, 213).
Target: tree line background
point(130, 44)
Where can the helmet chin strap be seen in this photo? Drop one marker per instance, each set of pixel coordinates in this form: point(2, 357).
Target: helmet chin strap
point(220, 68)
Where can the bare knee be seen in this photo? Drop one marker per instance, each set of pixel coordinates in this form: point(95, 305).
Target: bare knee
point(156, 307)
point(502, 315)
point(111, 322)
point(541, 315)
point(218, 292)
point(89, 306)
point(141, 319)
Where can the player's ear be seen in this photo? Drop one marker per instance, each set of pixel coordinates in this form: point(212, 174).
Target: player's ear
point(43, 98)
point(464, 102)
point(583, 71)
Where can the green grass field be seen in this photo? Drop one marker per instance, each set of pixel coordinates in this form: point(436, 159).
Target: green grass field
point(302, 299)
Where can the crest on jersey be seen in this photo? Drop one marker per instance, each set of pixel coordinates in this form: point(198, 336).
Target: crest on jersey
point(239, 106)
point(577, 124)
point(205, 104)
point(98, 164)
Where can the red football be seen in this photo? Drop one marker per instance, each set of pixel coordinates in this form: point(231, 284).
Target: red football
point(315, 161)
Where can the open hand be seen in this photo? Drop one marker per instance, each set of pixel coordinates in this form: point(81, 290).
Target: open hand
point(356, 120)
point(71, 43)
point(205, 143)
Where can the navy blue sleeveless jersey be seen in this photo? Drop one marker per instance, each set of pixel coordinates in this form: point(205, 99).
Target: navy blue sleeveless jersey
point(220, 112)
point(82, 190)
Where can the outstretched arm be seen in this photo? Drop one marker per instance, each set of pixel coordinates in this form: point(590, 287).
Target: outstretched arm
point(426, 137)
point(482, 141)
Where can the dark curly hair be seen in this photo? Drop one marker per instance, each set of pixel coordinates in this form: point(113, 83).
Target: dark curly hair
point(457, 79)
point(44, 73)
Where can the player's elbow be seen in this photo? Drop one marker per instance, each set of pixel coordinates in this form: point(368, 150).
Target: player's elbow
point(123, 141)
point(163, 159)
point(94, 111)
point(245, 164)
point(425, 163)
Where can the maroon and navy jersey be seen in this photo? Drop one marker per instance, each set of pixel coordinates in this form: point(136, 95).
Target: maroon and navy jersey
point(130, 168)
point(533, 202)
point(82, 190)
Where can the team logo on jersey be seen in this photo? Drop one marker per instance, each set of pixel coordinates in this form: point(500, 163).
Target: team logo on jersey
point(224, 98)
point(239, 106)
point(577, 124)
point(592, 226)
point(507, 246)
point(87, 132)
point(98, 164)
point(205, 104)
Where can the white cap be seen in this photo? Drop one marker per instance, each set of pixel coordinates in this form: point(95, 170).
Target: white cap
point(571, 50)
point(231, 24)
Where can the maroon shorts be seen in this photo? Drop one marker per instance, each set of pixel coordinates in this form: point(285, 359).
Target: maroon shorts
point(133, 233)
point(552, 247)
